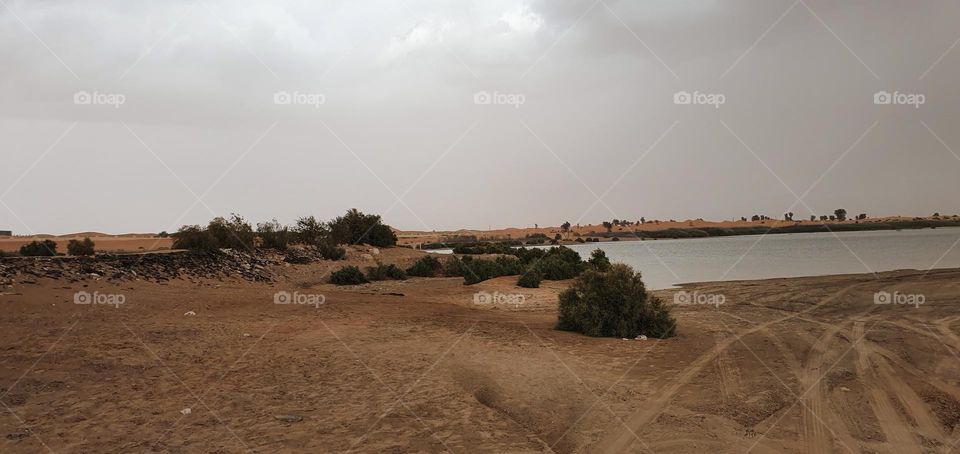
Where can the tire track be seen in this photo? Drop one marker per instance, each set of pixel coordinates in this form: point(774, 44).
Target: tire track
point(621, 440)
point(813, 428)
point(838, 428)
point(896, 430)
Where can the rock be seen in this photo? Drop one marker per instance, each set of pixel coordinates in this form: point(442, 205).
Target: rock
point(366, 256)
point(288, 418)
point(641, 337)
point(189, 313)
point(185, 411)
point(375, 251)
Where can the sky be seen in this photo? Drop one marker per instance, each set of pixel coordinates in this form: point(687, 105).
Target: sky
point(133, 116)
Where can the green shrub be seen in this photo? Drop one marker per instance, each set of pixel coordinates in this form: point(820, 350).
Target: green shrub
point(330, 251)
point(426, 266)
point(358, 228)
point(599, 261)
point(453, 267)
point(614, 303)
point(383, 272)
point(84, 247)
point(554, 268)
point(233, 233)
point(530, 279)
point(45, 248)
point(478, 270)
point(194, 238)
point(348, 275)
point(273, 235)
point(310, 231)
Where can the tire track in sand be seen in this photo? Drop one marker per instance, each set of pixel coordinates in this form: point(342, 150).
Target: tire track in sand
point(837, 428)
point(814, 430)
point(622, 440)
point(896, 430)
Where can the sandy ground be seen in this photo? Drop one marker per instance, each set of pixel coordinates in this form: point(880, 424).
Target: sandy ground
point(787, 365)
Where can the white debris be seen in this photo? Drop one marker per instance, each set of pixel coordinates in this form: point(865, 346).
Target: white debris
point(641, 337)
point(375, 251)
point(246, 334)
point(185, 411)
point(189, 313)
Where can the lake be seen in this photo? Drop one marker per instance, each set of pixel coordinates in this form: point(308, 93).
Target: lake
point(664, 263)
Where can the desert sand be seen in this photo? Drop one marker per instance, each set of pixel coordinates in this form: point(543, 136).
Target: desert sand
point(784, 365)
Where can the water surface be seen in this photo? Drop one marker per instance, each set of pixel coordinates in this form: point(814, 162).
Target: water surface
point(665, 263)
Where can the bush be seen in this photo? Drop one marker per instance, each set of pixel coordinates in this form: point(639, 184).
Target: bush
point(453, 267)
point(599, 261)
point(348, 275)
point(330, 251)
point(614, 303)
point(310, 231)
point(478, 270)
point(358, 228)
point(84, 247)
point(530, 279)
point(273, 235)
point(194, 238)
point(426, 266)
point(45, 248)
point(232, 233)
point(554, 268)
point(383, 272)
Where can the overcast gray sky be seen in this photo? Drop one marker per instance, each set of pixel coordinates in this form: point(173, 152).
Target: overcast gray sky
point(288, 108)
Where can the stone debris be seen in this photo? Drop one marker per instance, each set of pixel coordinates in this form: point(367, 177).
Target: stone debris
point(186, 411)
point(156, 267)
point(189, 313)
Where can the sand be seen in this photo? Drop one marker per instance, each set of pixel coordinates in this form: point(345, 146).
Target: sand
point(783, 365)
